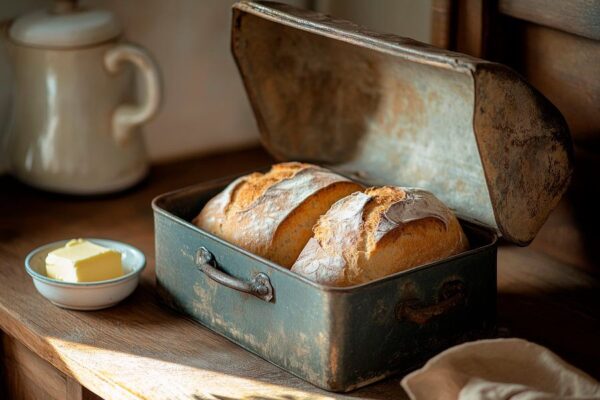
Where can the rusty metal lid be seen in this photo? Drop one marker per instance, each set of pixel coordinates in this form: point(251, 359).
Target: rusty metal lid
point(391, 110)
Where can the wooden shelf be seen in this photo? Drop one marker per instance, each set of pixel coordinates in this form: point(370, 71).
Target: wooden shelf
point(141, 350)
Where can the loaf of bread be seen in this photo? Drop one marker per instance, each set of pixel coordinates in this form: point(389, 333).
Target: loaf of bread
point(272, 214)
point(378, 232)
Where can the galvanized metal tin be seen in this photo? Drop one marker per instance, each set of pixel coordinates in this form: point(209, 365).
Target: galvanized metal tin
point(380, 109)
point(336, 338)
point(396, 111)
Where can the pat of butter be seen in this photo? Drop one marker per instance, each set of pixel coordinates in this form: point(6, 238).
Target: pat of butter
point(83, 261)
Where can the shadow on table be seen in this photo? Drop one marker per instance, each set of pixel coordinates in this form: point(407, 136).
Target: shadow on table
point(583, 197)
point(557, 320)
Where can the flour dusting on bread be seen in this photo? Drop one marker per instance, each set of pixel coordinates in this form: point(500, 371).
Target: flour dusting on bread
point(416, 204)
point(266, 213)
point(213, 213)
point(318, 265)
point(377, 232)
point(272, 214)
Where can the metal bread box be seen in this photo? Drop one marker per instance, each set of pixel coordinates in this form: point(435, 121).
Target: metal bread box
point(381, 109)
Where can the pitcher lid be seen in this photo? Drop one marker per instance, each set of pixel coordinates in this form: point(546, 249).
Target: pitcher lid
point(65, 25)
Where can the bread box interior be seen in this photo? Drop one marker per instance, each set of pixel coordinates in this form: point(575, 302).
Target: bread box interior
point(382, 110)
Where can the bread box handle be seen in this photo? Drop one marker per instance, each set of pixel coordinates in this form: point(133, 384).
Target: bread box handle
point(452, 295)
point(259, 286)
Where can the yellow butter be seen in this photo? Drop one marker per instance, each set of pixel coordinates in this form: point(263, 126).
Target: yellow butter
point(83, 261)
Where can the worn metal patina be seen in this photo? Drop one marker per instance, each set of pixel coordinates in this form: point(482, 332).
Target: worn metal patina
point(383, 110)
point(336, 338)
point(396, 111)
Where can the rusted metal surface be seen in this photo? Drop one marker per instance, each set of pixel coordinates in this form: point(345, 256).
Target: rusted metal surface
point(525, 148)
point(396, 111)
point(336, 338)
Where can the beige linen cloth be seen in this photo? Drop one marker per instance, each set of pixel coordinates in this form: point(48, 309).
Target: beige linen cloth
point(499, 369)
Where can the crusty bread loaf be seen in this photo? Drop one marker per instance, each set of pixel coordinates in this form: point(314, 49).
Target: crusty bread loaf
point(378, 232)
point(272, 214)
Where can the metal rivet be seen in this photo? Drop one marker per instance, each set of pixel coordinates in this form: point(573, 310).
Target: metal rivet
point(203, 256)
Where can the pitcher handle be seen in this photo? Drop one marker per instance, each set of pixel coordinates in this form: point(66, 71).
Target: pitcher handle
point(127, 116)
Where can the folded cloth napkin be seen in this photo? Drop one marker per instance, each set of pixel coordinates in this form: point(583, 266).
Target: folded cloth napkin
point(499, 369)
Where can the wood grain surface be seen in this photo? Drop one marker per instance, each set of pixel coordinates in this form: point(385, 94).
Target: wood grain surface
point(554, 44)
point(27, 376)
point(141, 350)
point(471, 22)
point(581, 17)
point(442, 20)
point(565, 68)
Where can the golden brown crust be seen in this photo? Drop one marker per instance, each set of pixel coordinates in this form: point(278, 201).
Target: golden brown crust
point(381, 231)
point(272, 214)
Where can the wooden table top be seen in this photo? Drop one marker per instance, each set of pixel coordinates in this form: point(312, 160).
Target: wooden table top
point(141, 350)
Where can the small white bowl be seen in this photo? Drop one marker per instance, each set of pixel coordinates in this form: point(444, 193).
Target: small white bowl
point(86, 295)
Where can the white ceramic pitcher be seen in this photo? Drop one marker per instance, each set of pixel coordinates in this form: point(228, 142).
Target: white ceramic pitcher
point(75, 128)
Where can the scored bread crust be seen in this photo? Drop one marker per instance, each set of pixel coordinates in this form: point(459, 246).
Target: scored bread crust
point(384, 230)
point(272, 214)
